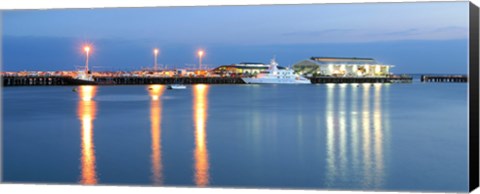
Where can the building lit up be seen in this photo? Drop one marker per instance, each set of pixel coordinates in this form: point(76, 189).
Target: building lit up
point(342, 67)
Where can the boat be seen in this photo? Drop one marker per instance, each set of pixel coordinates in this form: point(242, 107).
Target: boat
point(277, 76)
point(176, 87)
point(84, 77)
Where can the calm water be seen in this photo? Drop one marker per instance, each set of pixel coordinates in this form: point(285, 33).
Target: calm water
point(366, 137)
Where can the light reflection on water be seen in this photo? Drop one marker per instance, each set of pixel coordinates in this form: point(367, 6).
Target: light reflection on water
point(379, 141)
point(200, 108)
point(338, 136)
point(155, 92)
point(343, 160)
point(330, 126)
point(367, 161)
point(354, 128)
point(86, 114)
point(342, 129)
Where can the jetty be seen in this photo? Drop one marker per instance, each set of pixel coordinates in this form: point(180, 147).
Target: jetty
point(48, 80)
point(115, 80)
point(444, 78)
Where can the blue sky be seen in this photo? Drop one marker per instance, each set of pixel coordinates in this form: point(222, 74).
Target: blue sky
point(415, 37)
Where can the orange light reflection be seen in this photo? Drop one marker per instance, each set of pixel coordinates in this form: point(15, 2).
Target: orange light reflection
point(200, 119)
point(155, 92)
point(86, 114)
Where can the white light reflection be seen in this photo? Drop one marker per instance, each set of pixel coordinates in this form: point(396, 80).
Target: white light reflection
point(342, 130)
point(378, 134)
point(331, 164)
point(355, 136)
point(367, 161)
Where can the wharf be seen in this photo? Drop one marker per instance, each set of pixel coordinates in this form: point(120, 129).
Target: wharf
point(36, 80)
point(114, 80)
point(444, 78)
point(131, 80)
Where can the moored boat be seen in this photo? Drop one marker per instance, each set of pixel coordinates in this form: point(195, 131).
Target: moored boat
point(277, 76)
point(176, 87)
point(84, 78)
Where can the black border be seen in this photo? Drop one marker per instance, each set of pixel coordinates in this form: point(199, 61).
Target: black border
point(473, 87)
point(474, 93)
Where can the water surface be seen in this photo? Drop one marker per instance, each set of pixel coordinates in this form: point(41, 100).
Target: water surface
point(398, 137)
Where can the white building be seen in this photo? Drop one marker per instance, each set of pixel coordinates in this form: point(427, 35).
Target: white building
point(342, 67)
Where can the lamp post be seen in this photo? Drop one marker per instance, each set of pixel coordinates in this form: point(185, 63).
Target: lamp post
point(155, 53)
point(200, 55)
point(87, 51)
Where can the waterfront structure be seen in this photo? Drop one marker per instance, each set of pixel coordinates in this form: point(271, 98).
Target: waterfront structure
point(342, 67)
point(244, 68)
point(444, 78)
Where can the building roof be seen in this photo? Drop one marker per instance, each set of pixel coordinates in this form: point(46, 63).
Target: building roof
point(340, 59)
point(337, 61)
point(343, 60)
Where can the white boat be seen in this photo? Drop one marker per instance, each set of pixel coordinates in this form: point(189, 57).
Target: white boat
point(277, 76)
point(176, 87)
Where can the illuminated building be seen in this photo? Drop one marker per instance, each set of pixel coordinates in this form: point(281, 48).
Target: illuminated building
point(342, 67)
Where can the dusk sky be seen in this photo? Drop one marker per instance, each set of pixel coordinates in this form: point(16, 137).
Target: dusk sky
point(414, 37)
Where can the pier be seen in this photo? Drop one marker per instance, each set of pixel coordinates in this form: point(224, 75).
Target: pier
point(132, 80)
point(115, 80)
point(444, 78)
point(36, 80)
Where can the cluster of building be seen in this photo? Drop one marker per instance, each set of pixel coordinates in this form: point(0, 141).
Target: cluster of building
point(317, 66)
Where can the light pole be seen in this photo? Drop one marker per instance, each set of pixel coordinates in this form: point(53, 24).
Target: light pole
point(155, 53)
point(200, 55)
point(87, 51)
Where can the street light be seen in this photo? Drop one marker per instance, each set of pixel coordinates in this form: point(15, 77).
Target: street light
point(87, 51)
point(200, 55)
point(155, 53)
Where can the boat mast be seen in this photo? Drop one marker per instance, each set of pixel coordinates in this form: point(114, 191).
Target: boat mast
point(273, 64)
